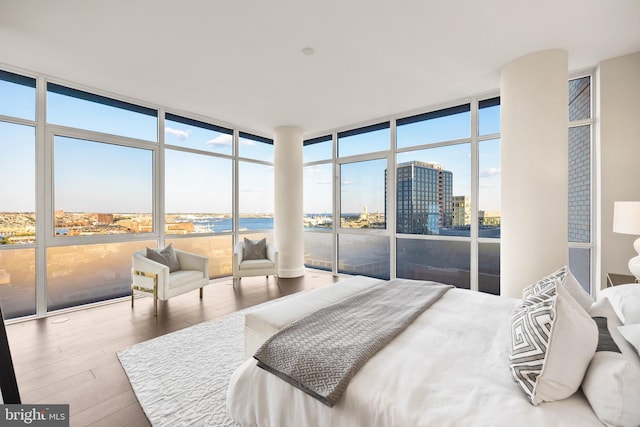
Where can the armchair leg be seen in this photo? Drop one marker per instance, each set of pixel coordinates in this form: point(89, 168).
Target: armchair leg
point(153, 290)
point(200, 293)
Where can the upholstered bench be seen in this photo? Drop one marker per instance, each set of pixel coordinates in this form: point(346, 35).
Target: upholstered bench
point(264, 322)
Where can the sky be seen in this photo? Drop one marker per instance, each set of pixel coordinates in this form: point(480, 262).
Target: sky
point(99, 177)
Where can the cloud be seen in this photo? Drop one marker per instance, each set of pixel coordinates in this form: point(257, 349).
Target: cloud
point(347, 182)
point(223, 139)
point(486, 173)
point(180, 134)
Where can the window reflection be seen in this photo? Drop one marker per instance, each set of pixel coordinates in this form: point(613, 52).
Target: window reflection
point(84, 274)
point(217, 248)
point(366, 255)
point(18, 282)
point(437, 260)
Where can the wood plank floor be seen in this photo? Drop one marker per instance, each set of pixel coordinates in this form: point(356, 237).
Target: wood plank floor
point(71, 357)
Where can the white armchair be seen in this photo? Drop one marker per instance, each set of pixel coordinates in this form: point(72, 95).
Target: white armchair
point(254, 266)
point(155, 278)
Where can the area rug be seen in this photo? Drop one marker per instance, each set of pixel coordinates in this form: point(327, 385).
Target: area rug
point(181, 379)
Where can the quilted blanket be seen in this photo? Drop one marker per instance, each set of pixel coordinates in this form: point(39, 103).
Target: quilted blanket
point(321, 352)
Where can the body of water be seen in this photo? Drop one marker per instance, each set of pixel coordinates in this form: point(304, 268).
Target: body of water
point(219, 225)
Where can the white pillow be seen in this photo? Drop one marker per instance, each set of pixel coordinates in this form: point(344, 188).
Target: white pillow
point(625, 300)
point(581, 296)
point(632, 334)
point(552, 343)
point(612, 382)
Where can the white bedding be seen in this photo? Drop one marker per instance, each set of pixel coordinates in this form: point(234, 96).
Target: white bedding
point(449, 368)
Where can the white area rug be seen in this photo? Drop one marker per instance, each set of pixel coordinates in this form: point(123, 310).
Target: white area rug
point(181, 379)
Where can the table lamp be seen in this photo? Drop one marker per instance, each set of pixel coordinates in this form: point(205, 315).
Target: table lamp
point(626, 220)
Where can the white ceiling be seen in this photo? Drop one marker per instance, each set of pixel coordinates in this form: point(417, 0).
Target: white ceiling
point(240, 61)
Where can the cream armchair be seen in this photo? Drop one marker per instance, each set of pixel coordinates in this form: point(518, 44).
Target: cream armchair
point(245, 264)
point(155, 278)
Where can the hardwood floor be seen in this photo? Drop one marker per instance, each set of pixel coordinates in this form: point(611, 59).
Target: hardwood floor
point(71, 357)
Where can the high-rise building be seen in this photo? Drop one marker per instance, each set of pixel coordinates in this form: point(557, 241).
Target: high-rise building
point(424, 198)
point(461, 211)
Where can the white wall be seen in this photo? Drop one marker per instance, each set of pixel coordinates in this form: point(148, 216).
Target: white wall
point(534, 151)
point(618, 156)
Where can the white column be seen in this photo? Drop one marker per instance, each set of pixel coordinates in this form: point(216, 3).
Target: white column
point(534, 120)
point(288, 221)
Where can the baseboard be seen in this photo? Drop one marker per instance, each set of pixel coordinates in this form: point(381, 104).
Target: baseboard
point(291, 272)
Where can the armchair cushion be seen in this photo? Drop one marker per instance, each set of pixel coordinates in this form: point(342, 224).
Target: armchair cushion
point(255, 249)
point(166, 256)
point(184, 277)
point(256, 264)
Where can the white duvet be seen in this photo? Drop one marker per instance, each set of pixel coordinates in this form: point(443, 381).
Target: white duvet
point(449, 368)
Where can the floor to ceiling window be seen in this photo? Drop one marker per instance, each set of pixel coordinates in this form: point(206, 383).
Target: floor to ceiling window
point(91, 178)
point(580, 178)
point(17, 194)
point(198, 190)
point(255, 186)
point(489, 179)
point(448, 164)
point(318, 203)
point(438, 219)
point(415, 197)
point(100, 153)
point(363, 239)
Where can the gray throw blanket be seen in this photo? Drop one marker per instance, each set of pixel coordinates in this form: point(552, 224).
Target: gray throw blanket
point(320, 353)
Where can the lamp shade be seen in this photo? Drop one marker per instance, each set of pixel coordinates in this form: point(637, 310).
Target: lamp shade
point(626, 218)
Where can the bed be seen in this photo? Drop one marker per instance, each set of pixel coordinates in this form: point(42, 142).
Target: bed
point(450, 367)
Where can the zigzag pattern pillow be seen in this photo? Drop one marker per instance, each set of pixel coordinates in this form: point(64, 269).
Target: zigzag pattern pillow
point(542, 293)
point(545, 283)
point(531, 331)
point(553, 339)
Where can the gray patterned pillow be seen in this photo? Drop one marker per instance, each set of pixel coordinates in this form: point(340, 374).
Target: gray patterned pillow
point(552, 343)
point(255, 249)
point(546, 287)
point(166, 256)
point(543, 284)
